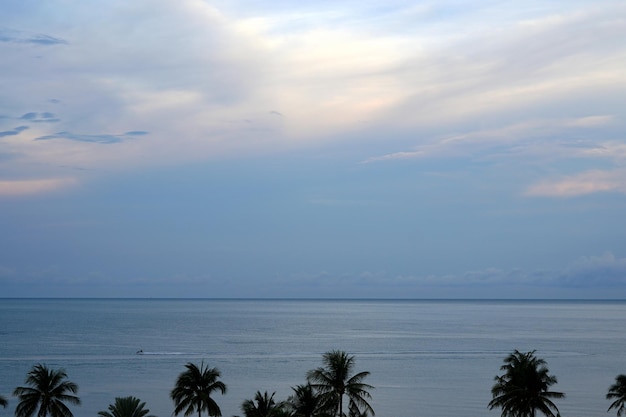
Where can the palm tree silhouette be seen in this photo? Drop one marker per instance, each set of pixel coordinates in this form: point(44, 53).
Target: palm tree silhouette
point(3, 401)
point(617, 391)
point(47, 394)
point(304, 402)
point(335, 380)
point(353, 410)
point(263, 405)
point(193, 390)
point(523, 388)
point(126, 407)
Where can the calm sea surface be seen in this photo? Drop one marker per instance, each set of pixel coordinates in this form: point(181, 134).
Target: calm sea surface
point(426, 358)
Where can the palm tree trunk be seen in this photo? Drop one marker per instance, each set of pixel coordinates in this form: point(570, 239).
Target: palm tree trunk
point(341, 405)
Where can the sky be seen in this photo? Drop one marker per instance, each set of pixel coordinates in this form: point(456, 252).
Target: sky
point(344, 149)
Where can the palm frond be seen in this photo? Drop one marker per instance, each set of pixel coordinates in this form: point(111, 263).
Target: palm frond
point(193, 389)
point(523, 388)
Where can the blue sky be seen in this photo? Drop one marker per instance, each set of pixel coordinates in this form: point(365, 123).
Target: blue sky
point(334, 149)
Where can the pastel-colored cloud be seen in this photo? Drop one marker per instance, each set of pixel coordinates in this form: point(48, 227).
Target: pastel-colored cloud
point(588, 182)
point(614, 150)
point(459, 84)
point(396, 156)
point(34, 186)
point(523, 137)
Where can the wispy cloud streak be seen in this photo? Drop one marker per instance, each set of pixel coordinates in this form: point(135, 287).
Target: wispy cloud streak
point(33, 39)
point(9, 188)
point(588, 182)
point(103, 138)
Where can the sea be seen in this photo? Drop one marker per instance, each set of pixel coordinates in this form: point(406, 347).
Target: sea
point(426, 358)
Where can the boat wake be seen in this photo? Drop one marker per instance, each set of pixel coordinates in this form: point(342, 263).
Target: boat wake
point(143, 352)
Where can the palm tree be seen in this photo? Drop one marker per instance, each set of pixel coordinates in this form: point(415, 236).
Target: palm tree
point(353, 410)
point(304, 402)
point(335, 379)
point(523, 388)
point(3, 401)
point(617, 391)
point(47, 394)
point(126, 407)
point(193, 389)
point(265, 406)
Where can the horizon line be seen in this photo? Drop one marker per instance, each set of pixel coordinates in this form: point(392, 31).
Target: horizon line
point(312, 299)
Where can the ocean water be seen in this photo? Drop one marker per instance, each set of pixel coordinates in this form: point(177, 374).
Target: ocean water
point(426, 358)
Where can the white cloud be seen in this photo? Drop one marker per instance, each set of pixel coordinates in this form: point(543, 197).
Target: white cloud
point(397, 156)
point(184, 71)
point(524, 137)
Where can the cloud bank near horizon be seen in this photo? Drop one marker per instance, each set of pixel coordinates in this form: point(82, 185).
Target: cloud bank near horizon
point(603, 275)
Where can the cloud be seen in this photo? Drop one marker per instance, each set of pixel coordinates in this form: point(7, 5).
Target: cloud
point(554, 140)
point(408, 283)
point(599, 272)
point(34, 186)
point(29, 116)
point(103, 139)
point(614, 150)
point(45, 40)
point(33, 39)
point(604, 271)
point(396, 156)
point(588, 277)
point(594, 271)
point(13, 132)
point(531, 137)
point(588, 182)
point(467, 84)
point(44, 117)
